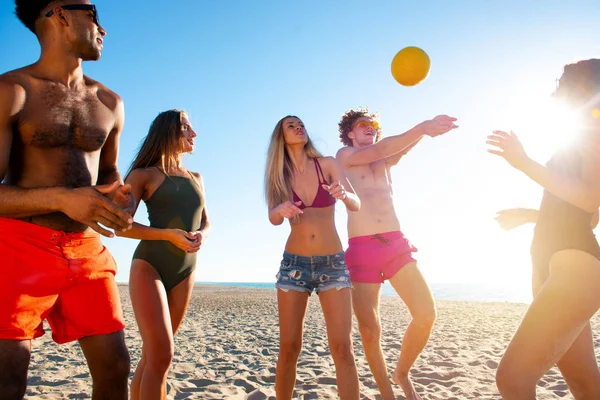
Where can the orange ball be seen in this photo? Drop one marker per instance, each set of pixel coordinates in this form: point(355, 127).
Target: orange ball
point(410, 66)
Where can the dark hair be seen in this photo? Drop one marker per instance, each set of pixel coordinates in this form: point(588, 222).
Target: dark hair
point(28, 11)
point(580, 81)
point(349, 119)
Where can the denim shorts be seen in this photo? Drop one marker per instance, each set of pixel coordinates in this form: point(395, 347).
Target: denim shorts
point(318, 273)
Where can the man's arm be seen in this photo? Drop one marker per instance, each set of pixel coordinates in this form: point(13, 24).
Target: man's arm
point(108, 171)
point(393, 160)
point(393, 145)
point(383, 149)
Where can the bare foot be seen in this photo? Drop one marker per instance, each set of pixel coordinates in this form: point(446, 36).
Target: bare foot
point(406, 385)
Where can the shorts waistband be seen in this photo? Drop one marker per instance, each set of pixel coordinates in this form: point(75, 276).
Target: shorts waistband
point(309, 260)
point(15, 226)
point(382, 237)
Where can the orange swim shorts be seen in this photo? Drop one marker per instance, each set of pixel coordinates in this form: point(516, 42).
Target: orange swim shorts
point(65, 278)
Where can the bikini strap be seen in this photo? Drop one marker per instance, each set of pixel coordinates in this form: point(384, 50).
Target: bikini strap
point(320, 173)
point(194, 178)
point(161, 171)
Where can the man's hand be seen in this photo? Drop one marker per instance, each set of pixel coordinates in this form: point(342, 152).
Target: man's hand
point(122, 197)
point(439, 125)
point(90, 206)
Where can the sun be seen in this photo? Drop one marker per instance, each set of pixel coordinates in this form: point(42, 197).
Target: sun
point(543, 125)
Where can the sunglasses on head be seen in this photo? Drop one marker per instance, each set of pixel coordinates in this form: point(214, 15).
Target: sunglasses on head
point(84, 7)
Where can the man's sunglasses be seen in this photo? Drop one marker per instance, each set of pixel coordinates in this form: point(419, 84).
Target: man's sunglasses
point(366, 124)
point(85, 7)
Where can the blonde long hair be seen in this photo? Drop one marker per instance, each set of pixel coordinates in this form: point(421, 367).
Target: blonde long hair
point(161, 145)
point(279, 169)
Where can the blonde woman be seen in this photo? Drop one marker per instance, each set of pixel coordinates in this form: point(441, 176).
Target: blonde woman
point(565, 253)
point(162, 271)
point(303, 186)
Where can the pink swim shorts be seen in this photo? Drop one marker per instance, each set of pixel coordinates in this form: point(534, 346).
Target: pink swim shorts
point(375, 258)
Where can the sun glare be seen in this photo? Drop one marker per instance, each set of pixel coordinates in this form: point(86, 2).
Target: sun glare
point(543, 125)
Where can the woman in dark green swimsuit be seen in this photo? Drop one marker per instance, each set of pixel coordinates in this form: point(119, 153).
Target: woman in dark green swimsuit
point(565, 253)
point(162, 277)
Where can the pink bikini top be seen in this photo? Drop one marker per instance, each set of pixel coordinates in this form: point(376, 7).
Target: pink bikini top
point(323, 198)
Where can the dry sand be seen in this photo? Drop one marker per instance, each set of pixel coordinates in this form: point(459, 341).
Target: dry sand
point(227, 349)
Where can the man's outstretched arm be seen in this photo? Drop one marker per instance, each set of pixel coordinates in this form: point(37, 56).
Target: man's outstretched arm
point(393, 160)
point(391, 146)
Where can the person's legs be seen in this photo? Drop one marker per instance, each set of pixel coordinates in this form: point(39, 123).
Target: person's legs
point(136, 380)
point(179, 299)
point(33, 274)
point(108, 361)
point(337, 309)
point(14, 362)
point(292, 306)
point(88, 309)
point(410, 285)
point(365, 301)
point(151, 308)
point(555, 322)
point(579, 367)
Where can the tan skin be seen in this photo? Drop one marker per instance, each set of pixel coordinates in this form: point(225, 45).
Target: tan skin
point(368, 165)
point(59, 141)
point(314, 234)
point(159, 313)
point(556, 328)
point(514, 217)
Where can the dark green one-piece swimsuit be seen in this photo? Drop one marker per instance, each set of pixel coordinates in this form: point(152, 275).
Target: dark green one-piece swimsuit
point(177, 203)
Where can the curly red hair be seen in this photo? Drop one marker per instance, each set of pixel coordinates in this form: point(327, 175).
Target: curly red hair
point(349, 119)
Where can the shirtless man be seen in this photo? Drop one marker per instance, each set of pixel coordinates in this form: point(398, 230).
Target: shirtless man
point(59, 136)
point(377, 249)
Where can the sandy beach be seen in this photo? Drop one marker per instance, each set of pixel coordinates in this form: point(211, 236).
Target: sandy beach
point(227, 349)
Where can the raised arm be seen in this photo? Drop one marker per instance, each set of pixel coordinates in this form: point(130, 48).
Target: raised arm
point(393, 160)
point(390, 146)
point(386, 147)
point(583, 193)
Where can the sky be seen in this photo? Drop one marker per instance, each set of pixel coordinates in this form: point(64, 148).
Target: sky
point(238, 66)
